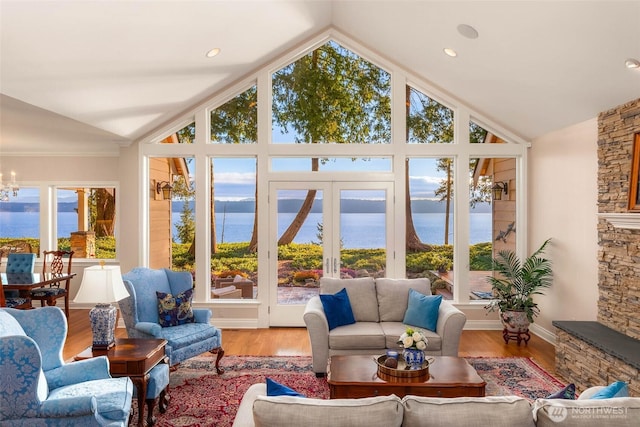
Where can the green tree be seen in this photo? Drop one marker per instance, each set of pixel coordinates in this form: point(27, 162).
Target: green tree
point(428, 122)
point(235, 122)
point(330, 95)
point(187, 226)
point(102, 211)
point(481, 189)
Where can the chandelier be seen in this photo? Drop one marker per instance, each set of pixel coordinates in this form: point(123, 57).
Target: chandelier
point(8, 187)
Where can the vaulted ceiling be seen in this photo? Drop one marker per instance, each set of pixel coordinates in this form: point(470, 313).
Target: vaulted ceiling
point(112, 71)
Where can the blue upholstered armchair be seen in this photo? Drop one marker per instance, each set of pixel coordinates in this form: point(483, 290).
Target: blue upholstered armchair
point(39, 389)
point(141, 316)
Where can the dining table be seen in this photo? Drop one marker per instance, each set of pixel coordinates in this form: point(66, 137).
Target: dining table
point(25, 282)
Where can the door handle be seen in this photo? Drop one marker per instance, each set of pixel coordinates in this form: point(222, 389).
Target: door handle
point(335, 265)
point(328, 266)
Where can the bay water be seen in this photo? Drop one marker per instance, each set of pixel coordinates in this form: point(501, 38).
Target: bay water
point(358, 230)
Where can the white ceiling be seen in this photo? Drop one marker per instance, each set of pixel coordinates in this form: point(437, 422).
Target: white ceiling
point(115, 70)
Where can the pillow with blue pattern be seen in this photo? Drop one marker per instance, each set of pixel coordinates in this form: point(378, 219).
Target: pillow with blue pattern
point(175, 310)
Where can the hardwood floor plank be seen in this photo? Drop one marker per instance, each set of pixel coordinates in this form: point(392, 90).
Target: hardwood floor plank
point(295, 342)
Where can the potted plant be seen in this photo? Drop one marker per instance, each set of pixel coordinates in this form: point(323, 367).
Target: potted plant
point(514, 286)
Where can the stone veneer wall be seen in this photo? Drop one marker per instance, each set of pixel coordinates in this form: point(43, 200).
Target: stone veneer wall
point(584, 365)
point(619, 261)
point(619, 254)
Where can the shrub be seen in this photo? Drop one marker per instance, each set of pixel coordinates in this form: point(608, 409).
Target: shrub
point(232, 273)
point(302, 276)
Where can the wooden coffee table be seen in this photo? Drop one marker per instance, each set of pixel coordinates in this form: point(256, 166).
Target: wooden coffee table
point(356, 376)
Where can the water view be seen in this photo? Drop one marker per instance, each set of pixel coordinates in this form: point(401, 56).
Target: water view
point(360, 230)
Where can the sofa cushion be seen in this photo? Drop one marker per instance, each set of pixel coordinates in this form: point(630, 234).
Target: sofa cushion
point(337, 308)
point(358, 336)
point(393, 296)
point(362, 295)
point(393, 330)
point(295, 411)
point(495, 411)
point(619, 412)
point(422, 310)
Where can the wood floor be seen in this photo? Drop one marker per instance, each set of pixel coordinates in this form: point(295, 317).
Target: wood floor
point(295, 342)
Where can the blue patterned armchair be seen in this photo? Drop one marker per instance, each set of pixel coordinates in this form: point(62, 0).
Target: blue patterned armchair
point(39, 389)
point(141, 316)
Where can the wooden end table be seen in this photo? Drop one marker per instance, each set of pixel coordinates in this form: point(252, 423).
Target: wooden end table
point(133, 358)
point(355, 376)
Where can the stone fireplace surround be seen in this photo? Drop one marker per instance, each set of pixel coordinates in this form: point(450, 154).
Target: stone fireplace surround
point(599, 353)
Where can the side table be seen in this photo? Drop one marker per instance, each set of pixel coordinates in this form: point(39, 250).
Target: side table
point(133, 358)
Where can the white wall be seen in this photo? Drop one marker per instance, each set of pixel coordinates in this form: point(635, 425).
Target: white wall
point(562, 186)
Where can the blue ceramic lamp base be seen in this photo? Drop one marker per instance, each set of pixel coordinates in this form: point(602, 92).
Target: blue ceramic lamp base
point(103, 325)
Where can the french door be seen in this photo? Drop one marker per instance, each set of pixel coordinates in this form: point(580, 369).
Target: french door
point(344, 230)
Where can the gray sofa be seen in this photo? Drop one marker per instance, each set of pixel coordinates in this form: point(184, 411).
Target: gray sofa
point(257, 409)
point(379, 307)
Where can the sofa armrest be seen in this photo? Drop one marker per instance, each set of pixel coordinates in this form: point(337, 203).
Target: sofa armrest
point(96, 368)
point(318, 329)
point(149, 328)
point(450, 323)
point(68, 407)
point(244, 416)
point(201, 315)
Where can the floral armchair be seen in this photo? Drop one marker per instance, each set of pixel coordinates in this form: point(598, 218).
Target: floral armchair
point(140, 311)
point(39, 388)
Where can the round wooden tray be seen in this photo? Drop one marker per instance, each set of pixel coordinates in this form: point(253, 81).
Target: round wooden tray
point(402, 372)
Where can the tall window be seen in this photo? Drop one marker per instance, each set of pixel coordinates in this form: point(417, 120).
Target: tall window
point(429, 222)
point(331, 95)
point(338, 119)
point(20, 219)
point(86, 221)
point(234, 230)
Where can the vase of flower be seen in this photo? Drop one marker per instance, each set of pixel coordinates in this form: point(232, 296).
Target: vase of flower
point(414, 358)
point(413, 344)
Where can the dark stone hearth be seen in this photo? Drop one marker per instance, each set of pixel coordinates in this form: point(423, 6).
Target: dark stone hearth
point(604, 338)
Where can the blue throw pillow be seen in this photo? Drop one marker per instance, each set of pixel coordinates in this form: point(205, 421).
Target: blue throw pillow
point(276, 389)
point(422, 310)
point(569, 392)
point(617, 389)
point(337, 308)
point(174, 311)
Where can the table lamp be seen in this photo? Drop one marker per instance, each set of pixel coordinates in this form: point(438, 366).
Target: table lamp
point(102, 284)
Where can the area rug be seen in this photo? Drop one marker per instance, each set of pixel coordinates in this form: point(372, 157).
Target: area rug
point(200, 397)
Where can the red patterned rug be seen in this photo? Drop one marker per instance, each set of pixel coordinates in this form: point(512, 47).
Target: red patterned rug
point(199, 397)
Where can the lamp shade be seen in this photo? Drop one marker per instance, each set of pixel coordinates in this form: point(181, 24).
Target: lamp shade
point(101, 284)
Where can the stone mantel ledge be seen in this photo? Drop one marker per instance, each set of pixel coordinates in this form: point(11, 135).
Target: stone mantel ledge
point(622, 220)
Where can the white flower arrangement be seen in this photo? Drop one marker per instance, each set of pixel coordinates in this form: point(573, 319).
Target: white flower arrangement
point(413, 339)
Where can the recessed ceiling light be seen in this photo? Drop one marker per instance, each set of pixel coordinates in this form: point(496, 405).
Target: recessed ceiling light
point(450, 52)
point(213, 52)
point(632, 63)
point(468, 31)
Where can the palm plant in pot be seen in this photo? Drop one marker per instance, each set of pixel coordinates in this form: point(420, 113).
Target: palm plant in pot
point(515, 285)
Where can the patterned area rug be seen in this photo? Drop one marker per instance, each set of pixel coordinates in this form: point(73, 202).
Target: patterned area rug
point(199, 397)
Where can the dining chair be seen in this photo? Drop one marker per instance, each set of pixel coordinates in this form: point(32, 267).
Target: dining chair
point(18, 263)
point(53, 262)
